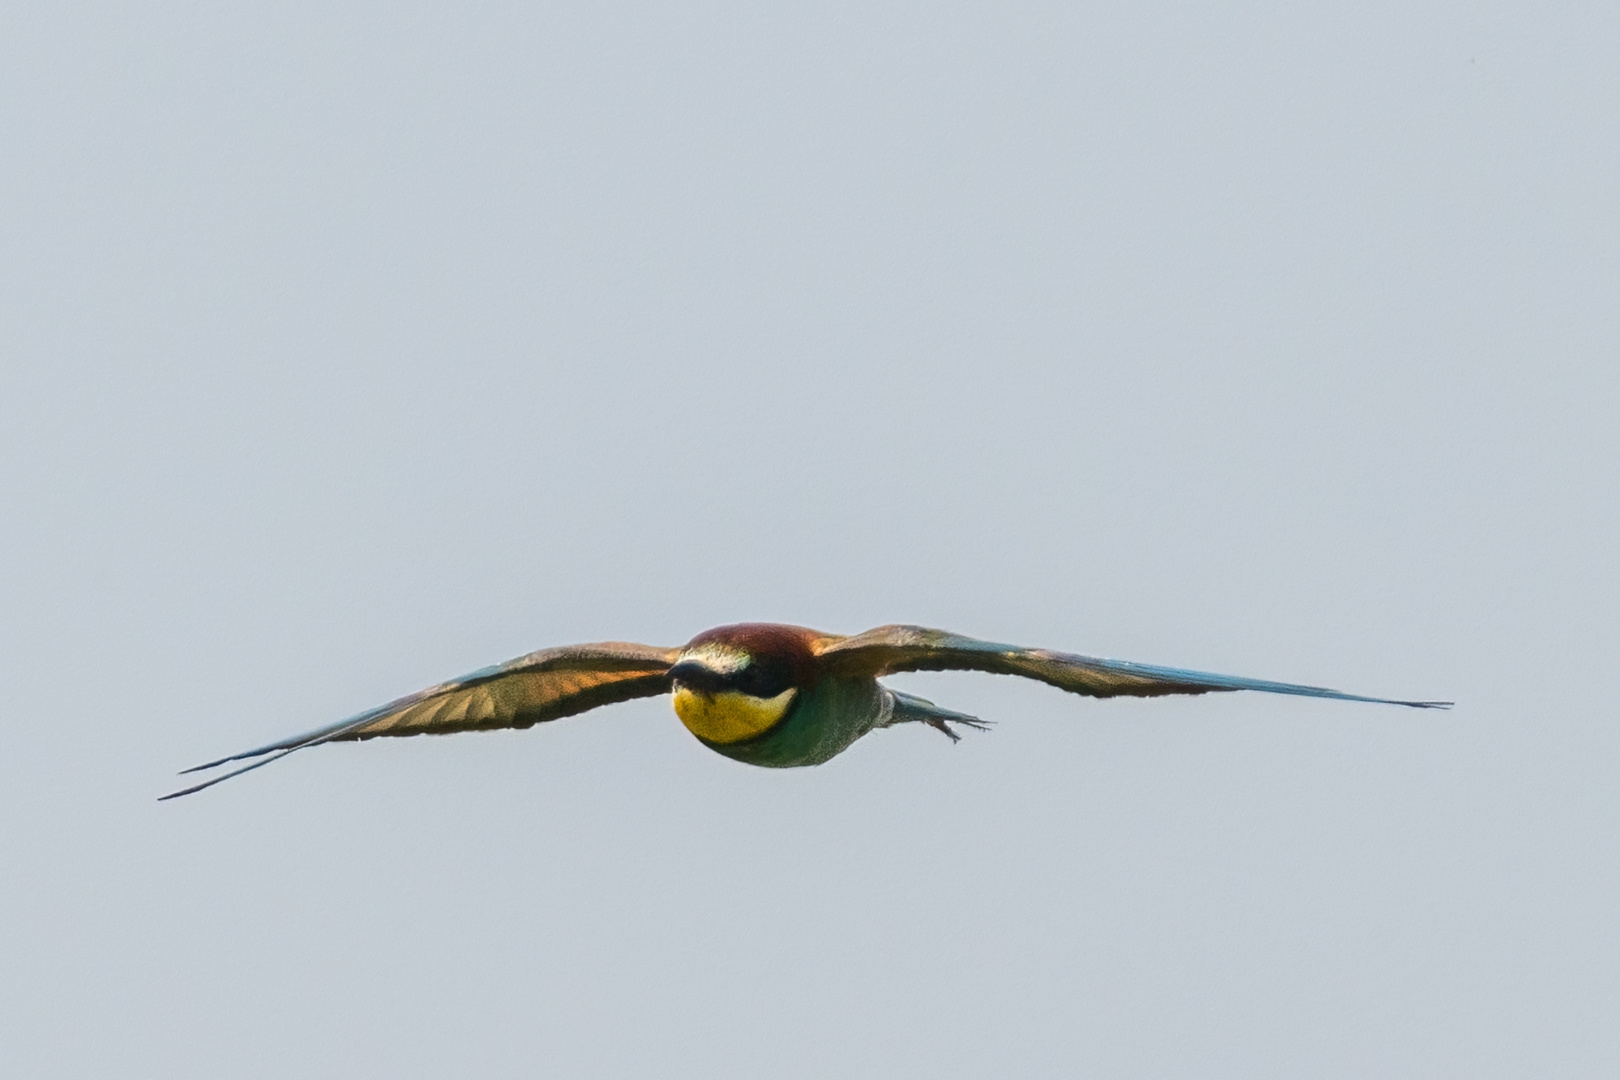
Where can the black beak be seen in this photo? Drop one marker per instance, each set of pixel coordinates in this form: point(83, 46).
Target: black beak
point(694, 676)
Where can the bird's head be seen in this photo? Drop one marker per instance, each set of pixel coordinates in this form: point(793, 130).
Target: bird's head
point(736, 682)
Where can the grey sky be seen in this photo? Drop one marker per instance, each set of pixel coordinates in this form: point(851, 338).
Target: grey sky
point(347, 348)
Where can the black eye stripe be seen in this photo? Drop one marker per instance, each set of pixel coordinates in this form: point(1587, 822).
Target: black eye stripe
point(761, 678)
point(764, 678)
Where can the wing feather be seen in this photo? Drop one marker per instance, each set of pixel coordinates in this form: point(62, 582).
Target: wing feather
point(545, 685)
point(890, 649)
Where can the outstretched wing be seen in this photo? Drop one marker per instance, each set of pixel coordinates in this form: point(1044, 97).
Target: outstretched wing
point(889, 649)
point(544, 685)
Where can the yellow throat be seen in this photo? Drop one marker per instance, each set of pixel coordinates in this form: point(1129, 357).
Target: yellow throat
point(728, 716)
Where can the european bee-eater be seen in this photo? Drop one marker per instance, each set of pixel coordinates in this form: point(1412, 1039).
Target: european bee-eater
point(761, 693)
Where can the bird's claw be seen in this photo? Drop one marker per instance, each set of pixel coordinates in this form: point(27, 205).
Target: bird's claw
point(942, 725)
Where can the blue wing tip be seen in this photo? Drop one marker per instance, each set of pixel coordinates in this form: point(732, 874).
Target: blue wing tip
point(212, 764)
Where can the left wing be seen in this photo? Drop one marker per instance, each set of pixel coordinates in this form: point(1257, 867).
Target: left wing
point(544, 685)
point(889, 649)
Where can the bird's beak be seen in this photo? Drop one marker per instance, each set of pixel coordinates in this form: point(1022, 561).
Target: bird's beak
point(691, 675)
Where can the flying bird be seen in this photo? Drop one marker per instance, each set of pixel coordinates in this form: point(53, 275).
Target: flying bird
point(761, 693)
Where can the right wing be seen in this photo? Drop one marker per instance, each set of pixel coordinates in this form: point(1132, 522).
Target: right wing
point(544, 685)
point(890, 649)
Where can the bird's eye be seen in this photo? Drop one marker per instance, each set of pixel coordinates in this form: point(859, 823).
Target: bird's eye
point(763, 678)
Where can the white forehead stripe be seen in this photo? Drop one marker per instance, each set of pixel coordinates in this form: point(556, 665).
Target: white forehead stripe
point(718, 658)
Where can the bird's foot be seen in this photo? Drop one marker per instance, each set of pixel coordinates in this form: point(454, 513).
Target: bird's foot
point(940, 724)
point(910, 709)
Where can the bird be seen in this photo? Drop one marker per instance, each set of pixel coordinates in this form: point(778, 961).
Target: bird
point(765, 694)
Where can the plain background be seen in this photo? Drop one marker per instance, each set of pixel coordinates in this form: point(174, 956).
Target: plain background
point(350, 347)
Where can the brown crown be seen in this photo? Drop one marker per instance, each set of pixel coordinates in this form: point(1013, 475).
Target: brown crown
point(794, 646)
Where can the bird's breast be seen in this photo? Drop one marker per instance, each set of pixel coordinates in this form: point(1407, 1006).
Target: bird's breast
point(729, 716)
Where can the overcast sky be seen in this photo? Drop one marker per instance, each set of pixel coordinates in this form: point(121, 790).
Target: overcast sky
point(345, 348)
